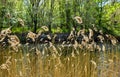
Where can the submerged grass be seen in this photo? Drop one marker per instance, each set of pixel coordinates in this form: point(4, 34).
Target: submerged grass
point(59, 61)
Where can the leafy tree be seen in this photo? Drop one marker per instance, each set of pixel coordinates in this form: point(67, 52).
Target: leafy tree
point(59, 14)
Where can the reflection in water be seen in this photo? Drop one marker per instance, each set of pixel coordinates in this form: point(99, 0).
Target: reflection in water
point(66, 62)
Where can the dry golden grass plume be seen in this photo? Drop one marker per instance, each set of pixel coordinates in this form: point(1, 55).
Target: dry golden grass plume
point(103, 48)
point(45, 28)
point(6, 65)
point(94, 63)
point(85, 38)
point(90, 47)
point(78, 19)
point(90, 33)
point(49, 37)
point(71, 36)
point(94, 28)
point(83, 43)
point(6, 31)
point(20, 21)
point(31, 35)
point(53, 39)
point(37, 52)
point(112, 39)
point(81, 32)
point(13, 40)
point(39, 33)
point(1, 37)
point(73, 54)
point(101, 38)
point(52, 48)
point(75, 45)
point(98, 48)
point(100, 31)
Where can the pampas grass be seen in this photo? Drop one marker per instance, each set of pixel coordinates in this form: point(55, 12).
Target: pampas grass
point(54, 62)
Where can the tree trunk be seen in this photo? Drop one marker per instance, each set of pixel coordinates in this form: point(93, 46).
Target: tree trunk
point(35, 23)
point(51, 15)
point(67, 11)
point(74, 9)
point(100, 14)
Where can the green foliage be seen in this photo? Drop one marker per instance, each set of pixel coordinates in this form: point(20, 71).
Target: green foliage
point(112, 17)
point(20, 29)
point(59, 15)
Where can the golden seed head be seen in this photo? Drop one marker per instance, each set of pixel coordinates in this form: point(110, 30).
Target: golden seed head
point(31, 35)
point(45, 28)
point(21, 22)
point(78, 19)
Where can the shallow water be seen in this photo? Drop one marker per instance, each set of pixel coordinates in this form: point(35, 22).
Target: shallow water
point(70, 63)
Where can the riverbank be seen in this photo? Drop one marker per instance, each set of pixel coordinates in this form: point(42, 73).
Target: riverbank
point(60, 37)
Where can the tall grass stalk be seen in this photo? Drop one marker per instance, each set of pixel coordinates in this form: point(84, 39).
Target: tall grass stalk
point(66, 62)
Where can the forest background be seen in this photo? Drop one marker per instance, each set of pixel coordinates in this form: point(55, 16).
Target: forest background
point(58, 15)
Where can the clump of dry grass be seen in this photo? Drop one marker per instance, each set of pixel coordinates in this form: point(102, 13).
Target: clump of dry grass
point(78, 19)
point(14, 42)
point(6, 65)
point(6, 31)
point(112, 39)
point(45, 28)
point(31, 35)
point(37, 64)
point(21, 22)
